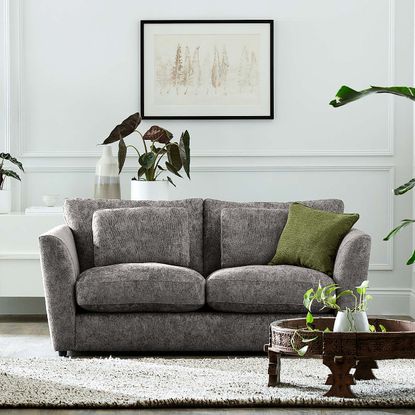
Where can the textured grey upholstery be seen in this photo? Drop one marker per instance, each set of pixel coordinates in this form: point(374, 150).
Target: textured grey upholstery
point(140, 235)
point(79, 212)
point(262, 288)
point(352, 262)
point(198, 331)
point(140, 287)
point(211, 223)
point(124, 296)
point(250, 236)
point(60, 269)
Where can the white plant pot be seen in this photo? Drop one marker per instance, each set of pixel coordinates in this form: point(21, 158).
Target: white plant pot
point(143, 190)
point(347, 321)
point(5, 201)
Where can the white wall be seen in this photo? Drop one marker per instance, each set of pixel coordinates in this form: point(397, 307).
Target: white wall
point(75, 74)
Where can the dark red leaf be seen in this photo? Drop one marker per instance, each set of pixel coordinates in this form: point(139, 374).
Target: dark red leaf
point(158, 134)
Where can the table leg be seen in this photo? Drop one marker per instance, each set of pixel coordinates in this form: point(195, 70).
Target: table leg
point(274, 368)
point(364, 369)
point(340, 379)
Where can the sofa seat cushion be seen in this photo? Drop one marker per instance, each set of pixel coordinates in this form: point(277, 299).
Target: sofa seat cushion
point(262, 288)
point(140, 287)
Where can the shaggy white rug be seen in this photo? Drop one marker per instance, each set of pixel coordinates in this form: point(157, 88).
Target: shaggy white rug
point(191, 382)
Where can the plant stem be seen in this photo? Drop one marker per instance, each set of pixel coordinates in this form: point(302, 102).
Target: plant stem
point(144, 141)
point(161, 156)
point(135, 148)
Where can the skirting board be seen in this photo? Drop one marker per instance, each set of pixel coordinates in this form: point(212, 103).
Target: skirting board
point(385, 302)
point(22, 305)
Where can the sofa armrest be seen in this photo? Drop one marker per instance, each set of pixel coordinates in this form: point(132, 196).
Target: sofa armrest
point(352, 263)
point(60, 269)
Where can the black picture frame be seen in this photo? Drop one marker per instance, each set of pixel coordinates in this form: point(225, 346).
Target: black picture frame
point(143, 24)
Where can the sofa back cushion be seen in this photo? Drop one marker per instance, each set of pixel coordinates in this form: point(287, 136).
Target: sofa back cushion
point(139, 235)
point(79, 213)
point(250, 236)
point(212, 223)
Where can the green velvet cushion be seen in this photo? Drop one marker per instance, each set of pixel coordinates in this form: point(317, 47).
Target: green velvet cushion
point(312, 237)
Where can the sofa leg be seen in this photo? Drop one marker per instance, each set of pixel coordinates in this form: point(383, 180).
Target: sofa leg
point(63, 353)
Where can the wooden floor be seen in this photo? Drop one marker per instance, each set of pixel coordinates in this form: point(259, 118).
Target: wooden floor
point(25, 336)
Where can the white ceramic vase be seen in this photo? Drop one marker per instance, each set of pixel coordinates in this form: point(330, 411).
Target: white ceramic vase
point(154, 190)
point(5, 201)
point(107, 179)
point(351, 321)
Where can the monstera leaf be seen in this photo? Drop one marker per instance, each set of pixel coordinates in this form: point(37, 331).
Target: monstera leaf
point(8, 157)
point(158, 134)
point(346, 94)
point(124, 129)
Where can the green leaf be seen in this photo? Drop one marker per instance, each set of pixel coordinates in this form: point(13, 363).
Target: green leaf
point(124, 129)
point(147, 160)
point(394, 231)
point(327, 330)
point(10, 173)
point(8, 157)
point(404, 187)
point(173, 155)
point(122, 154)
point(309, 340)
point(345, 292)
point(411, 260)
point(382, 328)
point(140, 172)
point(372, 328)
point(161, 168)
point(345, 94)
point(171, 169)
point(184, 147)
point(302, 351)
point(369, 297)
point(309, 319)
point(170, 181)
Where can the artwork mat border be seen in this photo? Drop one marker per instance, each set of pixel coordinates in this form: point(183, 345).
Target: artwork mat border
point(271, 114)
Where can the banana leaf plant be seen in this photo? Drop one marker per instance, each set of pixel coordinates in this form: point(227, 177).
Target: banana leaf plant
point(157, 143)
point(6, 172)
point(344, 96)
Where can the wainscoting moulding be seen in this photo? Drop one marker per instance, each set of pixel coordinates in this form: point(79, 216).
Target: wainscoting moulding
point(13, 35)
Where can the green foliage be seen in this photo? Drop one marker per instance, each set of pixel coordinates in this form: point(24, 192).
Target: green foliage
point(327, 297)
point(344, 96)
point(178, 154)
point(6, 157)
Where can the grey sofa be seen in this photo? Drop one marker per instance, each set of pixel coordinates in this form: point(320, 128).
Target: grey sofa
point(222, 301)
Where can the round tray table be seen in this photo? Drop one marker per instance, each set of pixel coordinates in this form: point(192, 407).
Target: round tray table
point(341, 352)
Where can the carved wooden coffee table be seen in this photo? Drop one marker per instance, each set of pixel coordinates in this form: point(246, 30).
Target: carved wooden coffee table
point(341, 352)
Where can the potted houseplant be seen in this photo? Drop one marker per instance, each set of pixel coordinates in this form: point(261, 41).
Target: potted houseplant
point(158, 157)
point(344, 96)
point(348, 319)
point(5, 195)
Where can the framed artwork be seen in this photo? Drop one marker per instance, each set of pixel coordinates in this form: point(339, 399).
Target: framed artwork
point(207, 69)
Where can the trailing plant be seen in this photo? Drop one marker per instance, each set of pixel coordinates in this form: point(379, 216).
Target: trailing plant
point(156, 144)
point(326, 297)
point(6, 157)
point(344, 96)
